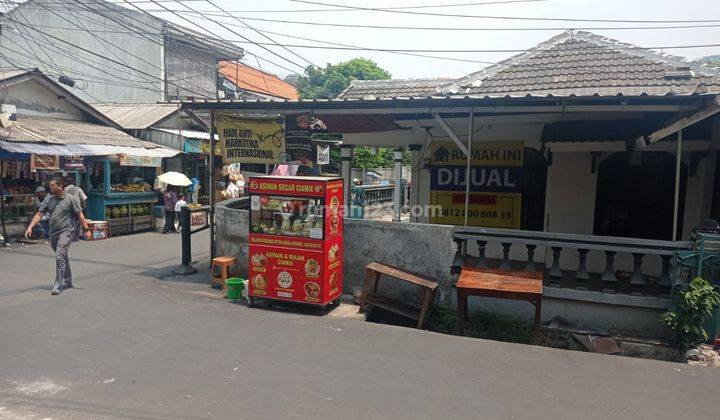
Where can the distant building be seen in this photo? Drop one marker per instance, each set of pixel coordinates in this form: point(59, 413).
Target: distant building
point(241, 81)
point(112, 53)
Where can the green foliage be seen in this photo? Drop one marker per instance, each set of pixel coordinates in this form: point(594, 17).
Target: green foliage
point(364, 158)
point(327, 83)
point(689, 312)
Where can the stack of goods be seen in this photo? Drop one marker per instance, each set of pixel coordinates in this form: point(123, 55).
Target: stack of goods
point(138, 187)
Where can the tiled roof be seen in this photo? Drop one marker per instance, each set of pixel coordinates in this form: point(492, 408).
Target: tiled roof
point(394, 88)
point(137, 116)
point(584, 64)
point(66, 132)
point(253, 80)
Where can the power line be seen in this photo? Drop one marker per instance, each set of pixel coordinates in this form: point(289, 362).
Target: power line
point(263, 34)
point(226, 28)
point(468, 29)
point(374, 9)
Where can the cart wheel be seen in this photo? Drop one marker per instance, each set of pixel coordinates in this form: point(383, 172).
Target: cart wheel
point(251, 302)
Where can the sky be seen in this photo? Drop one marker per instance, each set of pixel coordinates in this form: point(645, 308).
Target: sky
point(404, 66)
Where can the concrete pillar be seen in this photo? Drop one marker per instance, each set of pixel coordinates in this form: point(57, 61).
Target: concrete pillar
point(415, 163)
point(397, 192)
point(346, 152)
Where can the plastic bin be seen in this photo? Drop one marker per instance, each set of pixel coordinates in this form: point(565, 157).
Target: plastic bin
point(235, 288)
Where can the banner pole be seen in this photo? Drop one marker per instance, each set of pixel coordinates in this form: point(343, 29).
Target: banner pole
point(211, 167)
point(467, 170)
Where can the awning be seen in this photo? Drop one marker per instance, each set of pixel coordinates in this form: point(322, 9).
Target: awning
point(84, 149)
point(709, 111)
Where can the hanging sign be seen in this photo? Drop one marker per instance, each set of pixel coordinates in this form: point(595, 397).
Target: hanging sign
point(192, 146)
point(298, 146)
point(72, 163)
point(244, 140)
point(151, 161)
point(495, 184)
point(44, 162)
point(205, 148)
point(323, 155)
point(128, 160)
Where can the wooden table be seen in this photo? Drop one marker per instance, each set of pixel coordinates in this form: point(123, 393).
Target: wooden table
point(499, 283)
point(370, 294)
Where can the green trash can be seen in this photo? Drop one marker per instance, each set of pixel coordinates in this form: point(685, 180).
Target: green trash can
point(235, 287)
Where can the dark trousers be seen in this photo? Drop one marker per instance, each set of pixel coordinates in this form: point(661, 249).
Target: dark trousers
point(169, 221)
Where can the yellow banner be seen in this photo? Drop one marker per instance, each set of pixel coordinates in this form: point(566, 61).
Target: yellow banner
point(505, 153)
point(251, 140)
point(496, 210)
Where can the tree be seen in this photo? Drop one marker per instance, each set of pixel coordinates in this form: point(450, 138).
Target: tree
point(327, 83)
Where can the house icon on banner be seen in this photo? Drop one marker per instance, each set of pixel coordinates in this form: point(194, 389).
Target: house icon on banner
point(441, 154)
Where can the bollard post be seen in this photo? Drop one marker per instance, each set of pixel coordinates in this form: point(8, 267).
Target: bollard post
point(186, 267)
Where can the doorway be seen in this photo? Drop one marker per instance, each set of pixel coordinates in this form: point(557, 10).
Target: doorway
point(636, 194)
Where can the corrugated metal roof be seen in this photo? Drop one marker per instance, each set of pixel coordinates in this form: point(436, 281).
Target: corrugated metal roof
point(370, 89)
point(191, 134)
point(137, 116)
point(84, 149)
point(64, 132)
point(254, 80)
point(585, 64)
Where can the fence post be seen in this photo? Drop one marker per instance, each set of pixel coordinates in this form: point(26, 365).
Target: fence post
point(186, 242)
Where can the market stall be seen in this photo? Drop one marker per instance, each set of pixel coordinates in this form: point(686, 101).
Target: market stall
point(296, 239)
point(120, 192)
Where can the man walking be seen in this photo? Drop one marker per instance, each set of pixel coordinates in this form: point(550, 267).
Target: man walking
point(65, 215)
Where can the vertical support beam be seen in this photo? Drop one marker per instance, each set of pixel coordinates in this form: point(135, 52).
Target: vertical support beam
point(467, 170)
point(414, 178)
point(211, 167)
point(2, 206)
point(106, 176)
point(676, 204)
point(346, 153)
point(398, 190)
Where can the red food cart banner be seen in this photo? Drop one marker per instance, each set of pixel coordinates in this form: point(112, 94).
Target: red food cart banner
point(334, 213)
point(333, 268)
point(289, 274)
point(285, 241)
point(301, 188)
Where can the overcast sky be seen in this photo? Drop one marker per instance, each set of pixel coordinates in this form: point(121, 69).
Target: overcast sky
point(402, 66)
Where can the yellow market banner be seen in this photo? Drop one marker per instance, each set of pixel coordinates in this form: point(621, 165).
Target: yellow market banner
point(245, 140)
point(495, 184)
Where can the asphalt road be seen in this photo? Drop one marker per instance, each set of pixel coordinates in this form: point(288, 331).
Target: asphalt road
point(127, 344)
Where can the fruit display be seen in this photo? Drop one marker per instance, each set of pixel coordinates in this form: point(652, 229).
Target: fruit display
point(141, 187)
point(133, 210)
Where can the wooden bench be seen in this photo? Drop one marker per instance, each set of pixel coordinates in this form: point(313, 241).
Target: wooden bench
point(370, 295)
point(499, 283)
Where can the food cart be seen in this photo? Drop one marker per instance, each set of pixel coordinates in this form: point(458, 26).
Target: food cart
point(120, 192)
point(296, 239)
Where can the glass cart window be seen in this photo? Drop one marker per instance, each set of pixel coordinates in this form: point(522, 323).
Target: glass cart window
point(288, 216)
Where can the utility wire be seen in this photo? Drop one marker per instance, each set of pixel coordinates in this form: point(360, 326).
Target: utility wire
point(228, 29)
point(262, 34)
point(470, 29)
point(374, 9)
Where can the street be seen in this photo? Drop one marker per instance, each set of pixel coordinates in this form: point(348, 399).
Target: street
point(131, 343)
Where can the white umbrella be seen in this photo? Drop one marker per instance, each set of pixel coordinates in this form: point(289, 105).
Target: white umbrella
point(175, 178)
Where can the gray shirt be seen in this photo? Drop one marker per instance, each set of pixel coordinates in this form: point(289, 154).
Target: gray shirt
point(63, 212)
point(76, 192)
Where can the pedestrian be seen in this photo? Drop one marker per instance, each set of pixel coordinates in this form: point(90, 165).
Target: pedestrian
point(40, 196)
point(78, 193)
point(178, 207)
point(171, 199)
point(65, 215)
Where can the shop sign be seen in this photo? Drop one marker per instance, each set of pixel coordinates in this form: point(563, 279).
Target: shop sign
point(244, 140)
point(151, 161)
point(72, 163)
point(286, 187)
point(44, 162)
point(495, 184)
point(192, 146)
point(205, 148)
point(148, 161)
